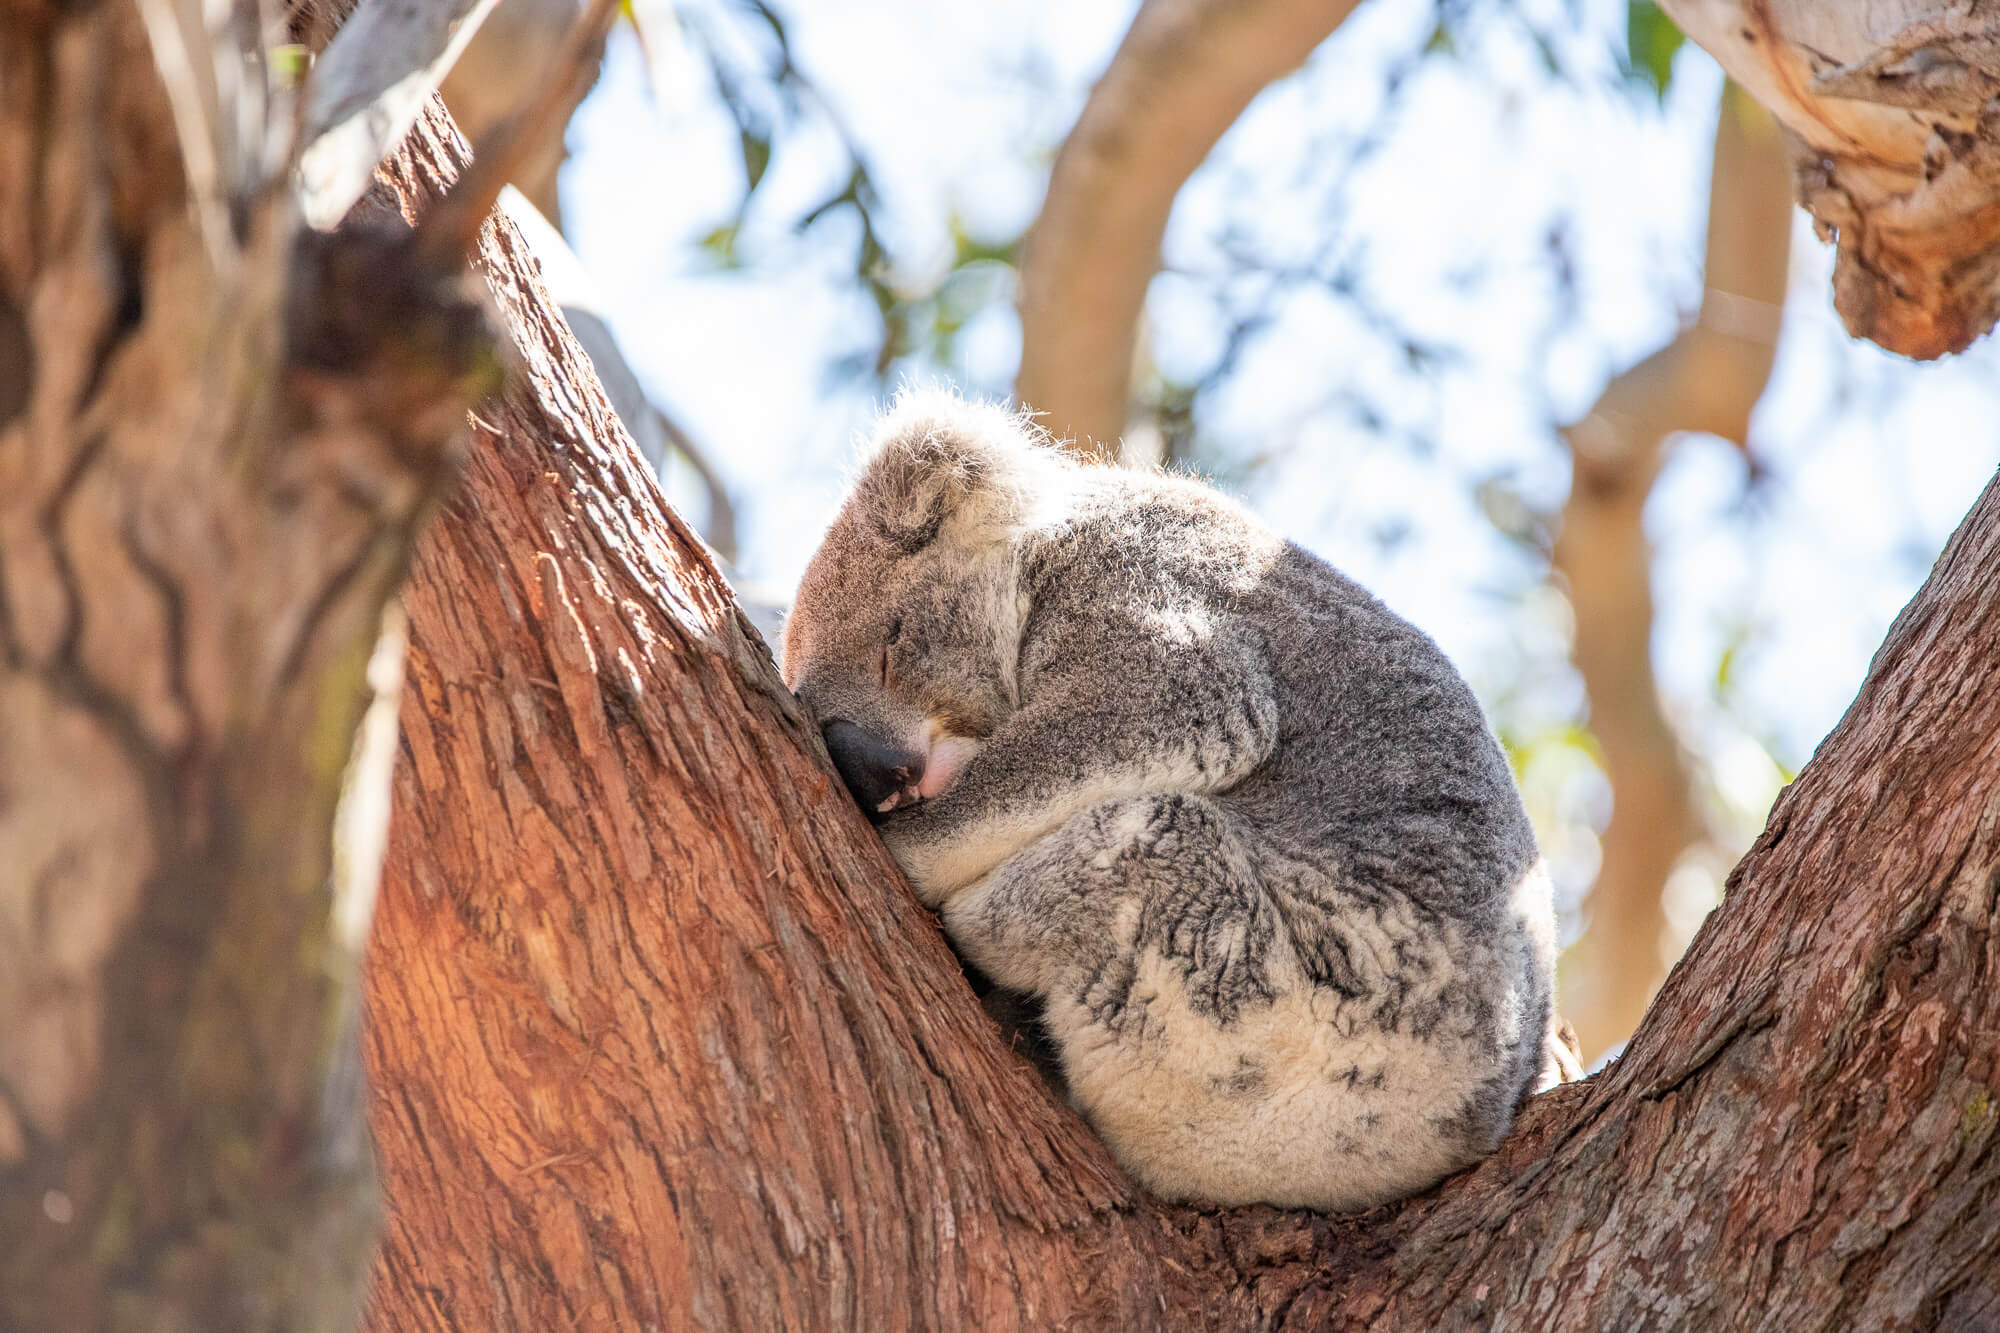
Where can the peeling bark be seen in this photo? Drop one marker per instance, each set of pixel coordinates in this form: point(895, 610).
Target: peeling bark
point(659, 1038)
point(1897, 154)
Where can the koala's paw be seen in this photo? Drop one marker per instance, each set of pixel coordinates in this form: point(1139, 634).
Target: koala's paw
point(921, 843)
point(945, 845)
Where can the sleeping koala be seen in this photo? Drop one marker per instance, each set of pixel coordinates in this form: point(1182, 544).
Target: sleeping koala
point(1240, 830)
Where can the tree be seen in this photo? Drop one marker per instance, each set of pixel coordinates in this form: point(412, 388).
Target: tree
point(1895, 149)
point(218, 435)
point(655, 1031)
point(1180, 78)
point(1707, 378)
point(657, 1036)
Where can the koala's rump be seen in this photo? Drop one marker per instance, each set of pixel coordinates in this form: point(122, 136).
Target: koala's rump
point(1306, 1101)
point(1277, 1075)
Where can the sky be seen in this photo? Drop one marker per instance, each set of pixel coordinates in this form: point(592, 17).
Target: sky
point(1440, 198)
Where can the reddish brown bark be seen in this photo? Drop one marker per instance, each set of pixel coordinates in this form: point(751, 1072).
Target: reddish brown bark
point(660, 1039)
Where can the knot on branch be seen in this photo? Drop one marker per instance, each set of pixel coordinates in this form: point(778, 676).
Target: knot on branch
point(381, 332)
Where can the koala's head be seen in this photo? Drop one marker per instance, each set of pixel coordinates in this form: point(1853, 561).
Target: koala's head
point(903, 638)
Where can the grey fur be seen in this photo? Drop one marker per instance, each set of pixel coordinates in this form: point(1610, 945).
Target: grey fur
point(1240, 829)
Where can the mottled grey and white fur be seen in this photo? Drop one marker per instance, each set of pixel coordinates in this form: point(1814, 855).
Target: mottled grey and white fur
point(1240, 828)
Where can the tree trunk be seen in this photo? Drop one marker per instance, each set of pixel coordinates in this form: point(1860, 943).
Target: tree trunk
point(1897, 149)
point(659, 1038)
point(204, 512)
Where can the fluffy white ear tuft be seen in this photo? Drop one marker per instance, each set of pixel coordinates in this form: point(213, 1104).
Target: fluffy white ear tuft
point(940, 462)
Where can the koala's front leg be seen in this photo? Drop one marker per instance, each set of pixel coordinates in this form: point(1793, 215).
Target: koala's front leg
point(1187, 718)
point(1162, 874)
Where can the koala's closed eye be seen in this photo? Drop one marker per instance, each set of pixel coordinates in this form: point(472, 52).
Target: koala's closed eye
point(885, 670)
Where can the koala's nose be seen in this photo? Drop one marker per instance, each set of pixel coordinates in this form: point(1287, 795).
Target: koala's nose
point(877, 772)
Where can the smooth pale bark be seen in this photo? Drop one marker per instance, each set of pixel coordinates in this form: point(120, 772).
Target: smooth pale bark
point(1897, 154)
point(512, 50)
point(1181, 77)
point(1707, 378)
point(205, 509)
point(370, 84)
point(659, 1038)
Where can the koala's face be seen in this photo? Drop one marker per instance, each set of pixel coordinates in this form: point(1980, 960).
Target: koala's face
point(904, 657)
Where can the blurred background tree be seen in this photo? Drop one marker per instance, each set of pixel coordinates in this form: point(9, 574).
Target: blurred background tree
point(1486, 303)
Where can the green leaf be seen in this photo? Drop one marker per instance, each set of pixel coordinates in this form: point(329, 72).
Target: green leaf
point(1651, 39)
point(720, 246)
point(756, 156)
point(290, 63)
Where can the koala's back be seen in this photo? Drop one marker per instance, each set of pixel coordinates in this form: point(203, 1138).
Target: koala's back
point(1385, 756)
point(1241, 831)
point(1383, 753)
point(1400, 1010)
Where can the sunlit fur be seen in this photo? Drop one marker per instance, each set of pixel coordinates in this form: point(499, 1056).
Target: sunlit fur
point(1241, 830)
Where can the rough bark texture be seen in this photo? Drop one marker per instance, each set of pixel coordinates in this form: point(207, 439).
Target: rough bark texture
point(658, 1037)
point(202, 519)
point(1898, 152)
point(1707, 378)
point(1180, 78)
point(649, 1043)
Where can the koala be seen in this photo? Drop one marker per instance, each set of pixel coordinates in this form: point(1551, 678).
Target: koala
point(1239, 831)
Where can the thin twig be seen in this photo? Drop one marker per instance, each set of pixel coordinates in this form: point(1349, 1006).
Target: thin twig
point(451, 229)
point(195, 110)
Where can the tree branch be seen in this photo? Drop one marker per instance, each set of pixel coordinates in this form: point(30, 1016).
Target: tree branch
point(1708, 378)
point(451, 227)
point(512, 50)
point(1898, 152)
point(1181, 77)
point(367, 89)
point(657, 1034)
point(211, 489)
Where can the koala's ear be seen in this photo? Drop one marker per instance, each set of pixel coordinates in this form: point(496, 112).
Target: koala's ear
point(941, 463)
